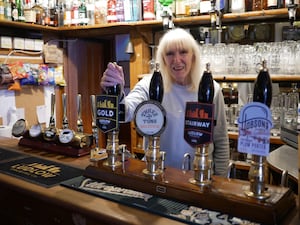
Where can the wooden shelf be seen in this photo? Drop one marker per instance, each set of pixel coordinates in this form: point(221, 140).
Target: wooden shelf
point(101, 30)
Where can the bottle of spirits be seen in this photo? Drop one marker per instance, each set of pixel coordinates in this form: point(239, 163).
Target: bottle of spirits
point(7, 10)
point(39, 12)
point(101, 11)
point(75, 13)
point(20, 8)
point(111, 11)
point(14, 11)
point(90, 10)
point(29, 13)
point(53, 11)
point(61, 13)
point(120, 10)
point(82, 13)
point(67, 13)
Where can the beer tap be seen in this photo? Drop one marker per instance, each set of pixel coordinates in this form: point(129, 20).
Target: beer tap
point(50, 134)
point(95, 150)
point(153, 127)
point(154, 159)
point(202, 163)
point(79, 119)
point(68, 136)
point(112, 141)
point(65, 122)
point(197, 136)
point(263, 94)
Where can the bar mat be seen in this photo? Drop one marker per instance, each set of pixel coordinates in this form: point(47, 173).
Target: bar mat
point(163, 207)
point(39, 171)
point(6, 155)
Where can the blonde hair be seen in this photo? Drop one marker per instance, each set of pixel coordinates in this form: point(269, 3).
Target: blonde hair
point(181, 39)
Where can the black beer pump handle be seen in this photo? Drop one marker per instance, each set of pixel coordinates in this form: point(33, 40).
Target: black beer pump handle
point(206, 87)
point(263, 86)
point(156, 89)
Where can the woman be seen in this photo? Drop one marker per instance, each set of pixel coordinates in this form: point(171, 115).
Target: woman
point(179, 58)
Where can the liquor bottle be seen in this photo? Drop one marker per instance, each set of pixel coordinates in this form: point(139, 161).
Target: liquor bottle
point(39, 13)
point(61, 14)
point(120, 10)
point(263, 86)
point(54, 13)
point(100, 13)
point(7, 10)
point(74, 13)
point(29, 13)
point(67, 13)
point(206, 89)
point(90, 11)
point(1, 10)
point(82, 13)
point(156, 89)
point(14, 11)
point(20, 8)
point(47, 14)
point(111, 11)
point(148, 10)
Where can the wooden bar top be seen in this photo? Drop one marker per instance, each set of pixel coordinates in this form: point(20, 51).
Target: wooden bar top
point(55, 200)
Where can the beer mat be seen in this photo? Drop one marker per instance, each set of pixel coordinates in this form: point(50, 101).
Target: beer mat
point(157, 205)
point(39, 171)
point(6, 155)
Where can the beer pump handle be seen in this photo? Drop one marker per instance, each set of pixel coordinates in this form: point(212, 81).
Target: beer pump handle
point(263, 86)
point(114, 90)
point(93, 109)
point(52, 119)
point(79, 111)
point(156, 89)
point(65, 123)
point(206, 87)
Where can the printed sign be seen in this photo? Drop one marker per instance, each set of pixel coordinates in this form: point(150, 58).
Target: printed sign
point(199, 123)
point(150, 118)
point(107, 112)
point(255, 123)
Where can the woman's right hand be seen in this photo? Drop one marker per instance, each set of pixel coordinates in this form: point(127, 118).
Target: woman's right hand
point(112, 75)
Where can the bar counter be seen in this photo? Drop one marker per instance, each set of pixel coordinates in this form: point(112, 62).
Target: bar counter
point(27, 203)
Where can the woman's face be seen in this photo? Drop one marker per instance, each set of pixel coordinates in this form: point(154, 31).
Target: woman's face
point(179, 62)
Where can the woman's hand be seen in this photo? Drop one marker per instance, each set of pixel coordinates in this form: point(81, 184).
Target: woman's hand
point(112, 75)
